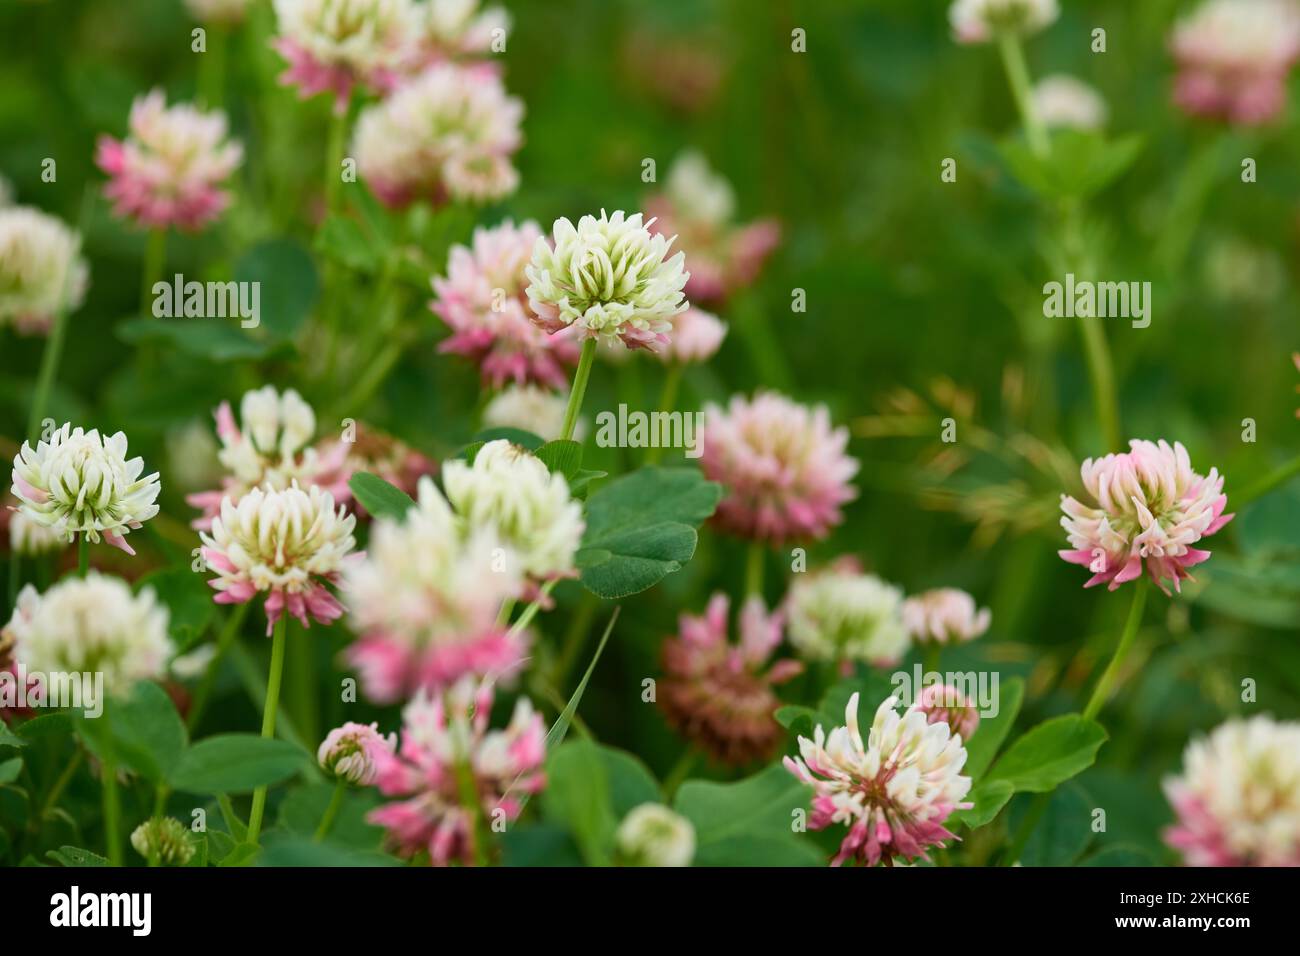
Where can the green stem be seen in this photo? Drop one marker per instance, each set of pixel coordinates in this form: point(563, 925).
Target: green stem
point(679, 772)
point(1278, 476)
point(45, 377)
point(469, 801)
point(59, 786)
point(667, 398)
point(574, 638)
point(268, 719)
point(1101, 373)
point(579, 389)
point(112, 799)
point(754, 570)
point(83, 554)
point(1013, 60)
point(530, 612)
point(1110, 675)
point(301, 652)
point(334, 158)
point(332, 811)
point(1032, 816)
point(212, 72)
point(930, 661)
point(155, 254)
point(204, 690)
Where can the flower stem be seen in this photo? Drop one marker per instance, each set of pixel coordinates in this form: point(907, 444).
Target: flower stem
point(334, 158)
point(1102, 373)
point(679, 772)
point(1278, 476)
point(1111, 674)
point(331, 812)
point(155, 254)
point(83, 555)
point(1013, 60)
point(213, 69)
point(112, 799)
point(268, 719)
point(579, 388)
point(930, 661)
point(754, 570)
point(45, 377)
point(667, 398)
point(526, 616)
point(469, 801)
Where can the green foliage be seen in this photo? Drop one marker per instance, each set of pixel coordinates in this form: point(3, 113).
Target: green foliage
point(235, 763)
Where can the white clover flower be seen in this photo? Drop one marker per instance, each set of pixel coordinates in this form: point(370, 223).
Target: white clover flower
point(455, 28)
point(532, 408)
point(287, 544)
point(163, 838)
point(978, 21)
point(513, 492)
point(27, 537)
point(840, 614)
point(92, 625)
point(944, 616)
point(653, 835)
point(357, 39)
point(610, 277)
point(79, 483)
point(221, 12)
point(1062, 101)
point(41, 269)
point(694, 186)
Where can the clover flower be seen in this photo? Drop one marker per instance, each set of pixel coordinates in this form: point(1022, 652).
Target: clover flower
point(609, 277)
point(1233, 58)
point(1062, 101)
point(350, 752)
point(459, 30)
point(172, 167)
point(332, 46)
point(696, 336)
point(220, 12)
point(29, 538)
point(1151, 508)
point(943, 703)
point(448, 134)
point(446, 740)
point(42, 272)
point(944, 616)
point(77, 482)
point(719, 695)
point(978, 21)
point(482, 300)
point(530, 408)
point(782, 464)
point(511, 491)
point(285, 544)
point(164, 839)
point(840, 614)
point(698, 207)
point(92, 625)
point(653, 835)
point(270, 448)
point(425, 601)
point(1238, 796)
point(894, 791)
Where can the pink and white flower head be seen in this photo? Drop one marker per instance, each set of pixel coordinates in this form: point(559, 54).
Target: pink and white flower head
point(226, 13)
point(696, 336)
point(943, 703)
point(351, 752)
point(1064, 102)
point(270, 447)
point(172, 167)
point(1238, 797)
point(445, 736)
point(944, 616)
point(979, 21)
point(77, 482)
point(698, 206)
point(1150, 509)
point(332, 46)
point(782, 464)
point(42, 272)
point(425, 601)
point(1233, 58)
point(719, 695)
point(893, 791)
point(448, 134)
point(609, 278)
point(840, 614)
point(461, 30)
point(286, 545)
point(482, 300)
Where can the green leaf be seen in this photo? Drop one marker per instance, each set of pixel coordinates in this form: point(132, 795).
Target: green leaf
point(1050, 753)
point(630, 781)
point(555, 736)
point(76, 857)
point(380, 498)
point(236, 763)
point(302, 808)
point(988, 798)
point(564, 457)
point(641, 527)
point(541, 845)
point(188, 600)
point(750, 822)
point(1120, 855)
point(1079, 165)
point(759, 851)
point(299, 851)
point(218, 340)
point(1064, 831)
point(10, 769)
point(577, 796)
point(240, 855)
point(992, 731)
point(288, 284)
point(149, 736)
point(344, 241)
point(8, 739)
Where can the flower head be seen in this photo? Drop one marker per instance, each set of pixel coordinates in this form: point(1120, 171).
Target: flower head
point(350, 752)
point(332, 46)
point(164, 839)
point(531, 408)
point(41, 269)
point(841, 614)
point(460, 30)
point(893, 791)
point(27, 537)
point(77, 482)
point(482, 299)
point(1151, 508)
point(782, 464)
point(425, 600)
point(947, 704)
point(698, 206)
point(1238, 797)
point(609, 277)
point(285, 544)
point(1066, 102)
point(696, 336)
point(445, 736)
point(171, 169)
point(92, 625)
point(1233, 59)
point(653, 835)
point(719, 695)
point(944, 616)
point(978, 21)
point(447, 134)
